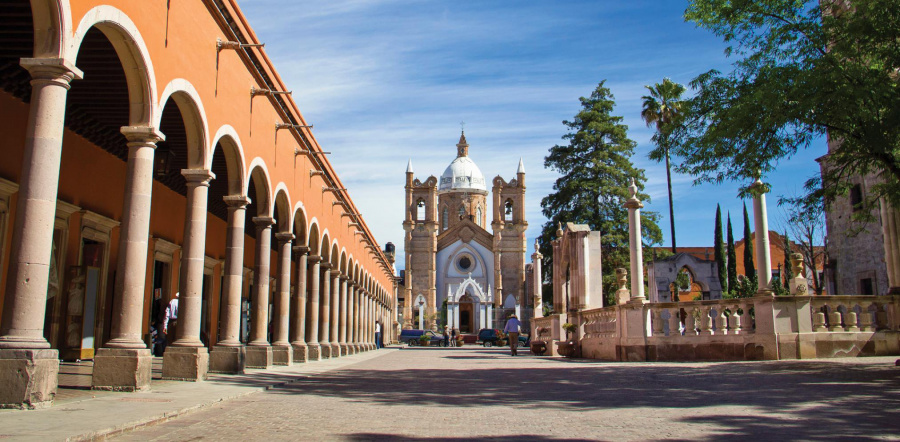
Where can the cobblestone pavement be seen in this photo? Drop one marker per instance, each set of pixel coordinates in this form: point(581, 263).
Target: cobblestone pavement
point(476, 393)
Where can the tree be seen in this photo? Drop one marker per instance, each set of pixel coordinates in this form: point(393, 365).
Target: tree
point(663, 107)
point(720, 250)
point(807, 226)
point(804, 69)
point(749, 268)
point(788, 267)
point(732, 257)
point(596, 170)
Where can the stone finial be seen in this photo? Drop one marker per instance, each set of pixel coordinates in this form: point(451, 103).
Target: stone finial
point(462, 148)
point(409, 168)
point(633, 202)
point(632, 189)
point(797, 264)
point(521, 166)
point(559, 231)
point(799, 286)
point(623, 295)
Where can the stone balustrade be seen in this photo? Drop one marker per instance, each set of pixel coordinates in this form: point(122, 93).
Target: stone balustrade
point(851, 314)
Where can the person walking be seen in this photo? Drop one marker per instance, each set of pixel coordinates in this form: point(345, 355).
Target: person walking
point(446, 336)
point(453, 337)
point(378, 343)
point(512, 329)
point(170, 324)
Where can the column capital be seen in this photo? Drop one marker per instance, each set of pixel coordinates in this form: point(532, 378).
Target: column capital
point(303, 250)
point(336, 273)
point(284, 237)
point(354, 284)
point(145, 135)
point(263, 222)
point(57, 70)
point(326, 265)
point(313, 259)
point(758, 188)
point(198, 177)
point(236, 201)
point(344, 277)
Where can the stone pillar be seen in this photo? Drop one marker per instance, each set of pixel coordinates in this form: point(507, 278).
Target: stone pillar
point(538, 280)
point(312, 324)
point(761, 223)
point(298, 340)
point(28, 367)
point(282, 353)
point(634, 205)
point(370, 323)
point(890, 227)
point(335, 313)
point(124, 363)
point(187, 359)
point(259, 352)
point(342, 333)
point(228, 354)
point(325, 311)
point(351, 317)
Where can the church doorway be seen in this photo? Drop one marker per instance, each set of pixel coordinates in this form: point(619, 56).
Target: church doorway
point(466, 314)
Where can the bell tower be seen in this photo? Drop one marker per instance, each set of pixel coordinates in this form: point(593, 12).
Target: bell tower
point(510, 244)
point(420, 245)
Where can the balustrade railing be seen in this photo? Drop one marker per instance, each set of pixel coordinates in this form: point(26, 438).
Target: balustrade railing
point(599, 322)
point(698, 318)
point(850, 314)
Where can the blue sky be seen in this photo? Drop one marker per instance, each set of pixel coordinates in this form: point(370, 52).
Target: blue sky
point(386, 81)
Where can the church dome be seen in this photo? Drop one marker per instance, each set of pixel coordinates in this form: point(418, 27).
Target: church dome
point(462, 175)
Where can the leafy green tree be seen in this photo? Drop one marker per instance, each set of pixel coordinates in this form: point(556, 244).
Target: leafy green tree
point(596, 170)
point(803, 69)
point(732, 257)
point(663, 107)
point(749, 268)
point(720, 251)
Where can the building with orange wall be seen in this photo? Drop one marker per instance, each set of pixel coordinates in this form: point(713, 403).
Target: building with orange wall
point(149, 149)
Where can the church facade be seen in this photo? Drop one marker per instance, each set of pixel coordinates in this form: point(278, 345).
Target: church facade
point(465, 247)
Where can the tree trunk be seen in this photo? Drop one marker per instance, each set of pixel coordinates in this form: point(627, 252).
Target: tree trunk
point(671, 203)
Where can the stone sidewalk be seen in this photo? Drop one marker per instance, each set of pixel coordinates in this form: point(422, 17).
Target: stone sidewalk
point(86, 415)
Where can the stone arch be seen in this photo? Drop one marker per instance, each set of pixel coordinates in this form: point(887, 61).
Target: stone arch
point(52, 22)
point(282, 205)
point(476, 291)
point(195, 123)
point(228, 138)
point(480, 260)
point(300, 225)
point(335, 254)
point(325, 246)
point(133, 55)
point(313, 237)
point(343, 262)
point(263, 197)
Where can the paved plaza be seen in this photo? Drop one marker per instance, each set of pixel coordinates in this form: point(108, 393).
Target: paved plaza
point(461, 394)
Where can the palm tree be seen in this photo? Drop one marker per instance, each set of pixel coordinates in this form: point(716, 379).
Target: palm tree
point(663, 107)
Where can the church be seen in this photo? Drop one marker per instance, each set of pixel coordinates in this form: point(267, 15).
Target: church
point(461, 271)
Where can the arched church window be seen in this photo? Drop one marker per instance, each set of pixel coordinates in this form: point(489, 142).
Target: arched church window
point(462, 212)
point(445, 219)
point(420, 210)
point(508, 213)
point(478, 216)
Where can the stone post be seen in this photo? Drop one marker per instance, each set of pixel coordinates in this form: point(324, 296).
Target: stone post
point(259, 352)
point(342, 336)
point(312, 324)
point(634, 205)
point(298, 340)
point(325, 311)
point(538, 280)
point(228, 354)
point(890, 226)
point(798, 284)
point(335, 313)
point(761, 223)
point(28, 367)
point(282, 353)
point(124, 363)
point(351, 317)
point(187, 359)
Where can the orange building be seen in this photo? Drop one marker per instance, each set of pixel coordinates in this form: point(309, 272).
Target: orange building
point(148, 149)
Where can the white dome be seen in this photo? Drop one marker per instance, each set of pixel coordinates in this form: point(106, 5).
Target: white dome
point(462, 175)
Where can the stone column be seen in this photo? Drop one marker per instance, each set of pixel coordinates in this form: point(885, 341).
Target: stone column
point(28, 367)
point(538, 281)
point(228, 354)
point(259, 352)
point(282, 353)
point(187, 359)
point(761, 223)
point(342, 333)
point(351, 318)
point(298, 315)
point(325, 311)
point(335, 313)
point(634, 205)
point(890, 227)
point(314, 352)
point(124, 363)
point(370, 322)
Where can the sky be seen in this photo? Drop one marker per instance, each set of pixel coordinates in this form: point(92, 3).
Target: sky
point(385, 82)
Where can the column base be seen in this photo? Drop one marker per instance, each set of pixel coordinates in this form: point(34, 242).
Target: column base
point(335, 350)
point(282, 355)
point(300, 353)
point(313, 352)
point(28, 378)
point(122, 369)
point(325, 350)
point(259, 357)
point(227, 360)
point(186, 364)
point(345, 349)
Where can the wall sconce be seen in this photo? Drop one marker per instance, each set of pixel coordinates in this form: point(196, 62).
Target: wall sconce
point(162, 161)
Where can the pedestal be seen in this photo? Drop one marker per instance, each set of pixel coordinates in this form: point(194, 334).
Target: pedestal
point(259, 357)
point(345, 350)
point(313, 352)
point(28, 378)
point(335, 350)
point(324, 351)
point(227, 360)
point(122, 369)
point(282, 355)
point(300, 353)
point(185, 364)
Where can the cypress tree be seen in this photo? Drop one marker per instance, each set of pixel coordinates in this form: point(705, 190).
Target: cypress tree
point(749, 269)
point(732, 257)
point(788, 269)
point(720, 251)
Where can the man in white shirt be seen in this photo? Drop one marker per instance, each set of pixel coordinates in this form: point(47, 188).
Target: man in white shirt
point(171, 321)
point(378, 335)
point(512, 329)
